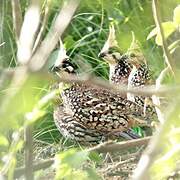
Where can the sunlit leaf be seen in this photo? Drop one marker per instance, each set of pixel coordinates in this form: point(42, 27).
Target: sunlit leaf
point(68, 164)
point(152, 33)
point(3, 141)
point(168, 28)
point(176, 17)
point(73, 158)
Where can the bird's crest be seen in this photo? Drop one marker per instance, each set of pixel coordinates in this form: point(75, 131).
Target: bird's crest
point(62, 63)
point(111, 41)
point(135, 53)
point(61, 55)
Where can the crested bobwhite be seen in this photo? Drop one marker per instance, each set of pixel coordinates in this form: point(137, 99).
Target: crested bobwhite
point(128, 69)
point(96, 111)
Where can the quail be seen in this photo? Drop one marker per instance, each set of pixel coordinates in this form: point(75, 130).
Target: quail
point(139, 77)
point(97, 111)
point(119, 68)
point(128, 69)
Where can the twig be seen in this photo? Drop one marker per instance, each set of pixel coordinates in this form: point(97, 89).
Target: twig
point(17, 17)
point(157, 19)
point(149, 155)
point(155, 98)
point(38, 166)
point(63, 19)
point(102, 148)
point(113, 147)
point(28, 32)
point(99, 83)
point(29, 153)
point(116, 165)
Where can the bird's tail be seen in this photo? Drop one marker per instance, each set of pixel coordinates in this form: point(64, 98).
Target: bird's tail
point(129, 134)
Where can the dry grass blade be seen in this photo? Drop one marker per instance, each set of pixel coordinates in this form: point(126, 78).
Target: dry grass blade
point(113, 147)
point(17, 17)
point(28, 32)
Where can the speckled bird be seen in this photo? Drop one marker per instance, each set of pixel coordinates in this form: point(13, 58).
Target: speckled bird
point(91, 114)
point(119, 68)
point(138, 78)
point(128, 69)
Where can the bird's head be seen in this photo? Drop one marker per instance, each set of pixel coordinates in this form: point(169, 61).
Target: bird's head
point(62, 65)
point(136, 57)
point(136, 60)
point(110, 49)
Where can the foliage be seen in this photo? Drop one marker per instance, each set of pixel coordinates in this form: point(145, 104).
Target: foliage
point(69, 164)
point(32, 102)
point(169, 27)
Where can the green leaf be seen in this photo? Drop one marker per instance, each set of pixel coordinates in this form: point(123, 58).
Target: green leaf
point(73, 157)
point(168, 27)
point(3, 141)
point(152, 33)
point(68, 164)
point(176, 17)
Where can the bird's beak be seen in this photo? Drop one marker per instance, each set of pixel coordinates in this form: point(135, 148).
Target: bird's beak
point(54, 69)
point(102, 54)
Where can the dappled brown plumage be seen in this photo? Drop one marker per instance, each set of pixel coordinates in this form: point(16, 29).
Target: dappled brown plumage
point(119, 68)
point(97, 110)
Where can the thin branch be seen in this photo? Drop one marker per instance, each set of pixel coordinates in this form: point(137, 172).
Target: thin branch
point(151, 151)
point(29, 152)
point(101, 148)
point(155, 98)
point(111, 168)
point(62, 21)
point(99, 83)
point(157, 19)
point(16, 137)
point(148, 156)
point(36, 167)
point(114, 147)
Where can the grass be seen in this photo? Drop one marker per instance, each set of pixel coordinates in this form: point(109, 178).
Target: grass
point(84, 39)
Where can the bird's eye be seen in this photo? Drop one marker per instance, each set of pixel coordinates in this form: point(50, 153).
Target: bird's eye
point(132, 55)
